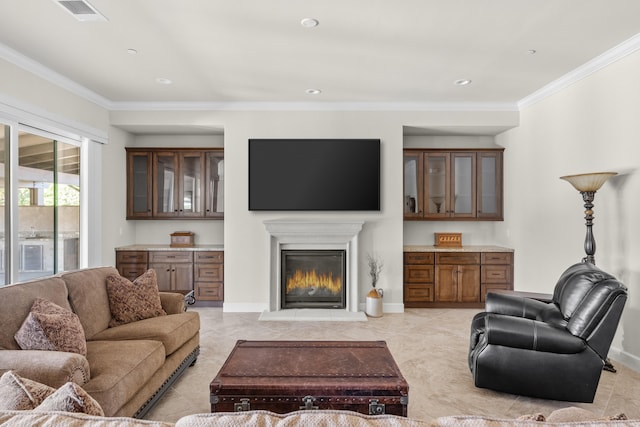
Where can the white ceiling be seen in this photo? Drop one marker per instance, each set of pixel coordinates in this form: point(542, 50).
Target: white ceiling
point(363, 52)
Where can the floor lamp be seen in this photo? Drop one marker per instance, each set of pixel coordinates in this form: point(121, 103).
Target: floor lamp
point(587, 184)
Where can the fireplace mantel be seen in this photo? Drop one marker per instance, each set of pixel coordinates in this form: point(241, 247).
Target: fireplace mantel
point(313, 234)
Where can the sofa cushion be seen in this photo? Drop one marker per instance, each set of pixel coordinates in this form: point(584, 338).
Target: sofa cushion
point(133, 301)
point(88, 297)
point(119, 369)
point(70, 398)
point(57, 418)
point(172, 330)
point(16, 301)
point(51, 327)
point(318, 418)
point(21, 393)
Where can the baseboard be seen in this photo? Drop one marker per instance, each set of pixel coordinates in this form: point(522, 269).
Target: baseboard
point(627, 359)
point(393, 307)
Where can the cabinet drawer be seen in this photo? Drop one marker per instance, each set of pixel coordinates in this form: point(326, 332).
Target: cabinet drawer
point(210, 272)
point(496, 274)
point(170, 256)
point(497, 258)
point(418, 257)
point(132, 271)
point(458, 258)
point(131, 257)
point(210, 256)
point(418, 273)
point(209, 292)
point(485, 289)
point(418, 293)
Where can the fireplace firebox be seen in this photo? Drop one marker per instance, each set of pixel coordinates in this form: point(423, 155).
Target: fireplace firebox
point(313, 278)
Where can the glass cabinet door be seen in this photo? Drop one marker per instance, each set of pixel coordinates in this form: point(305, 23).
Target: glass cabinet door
point(139, 183)
point(436, 189)
point(490, 185)
point(165, 196)
point(214, 203)
point(463, 196)
point(413, 185)
point(190, 201)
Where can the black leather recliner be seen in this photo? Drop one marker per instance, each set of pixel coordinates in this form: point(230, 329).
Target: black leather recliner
point(550, 350)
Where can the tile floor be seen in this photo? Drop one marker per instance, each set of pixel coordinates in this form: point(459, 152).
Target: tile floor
point(429, 345)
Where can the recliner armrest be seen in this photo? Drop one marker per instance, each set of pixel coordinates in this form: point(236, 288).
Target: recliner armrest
point(530, 334)
point(513, 305)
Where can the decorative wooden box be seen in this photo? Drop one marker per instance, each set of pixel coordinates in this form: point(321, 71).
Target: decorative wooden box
point(449, 240)
point(182, 239)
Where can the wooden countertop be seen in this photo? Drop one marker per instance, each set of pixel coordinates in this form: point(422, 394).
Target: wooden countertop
point(141, 247)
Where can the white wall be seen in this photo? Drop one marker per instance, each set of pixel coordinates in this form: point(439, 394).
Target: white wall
point(592, 126)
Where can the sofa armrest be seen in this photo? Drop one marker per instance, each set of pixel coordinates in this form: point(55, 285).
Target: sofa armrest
point(530, 334)
point(53, 368)
point(514, 305)
point(172, 302)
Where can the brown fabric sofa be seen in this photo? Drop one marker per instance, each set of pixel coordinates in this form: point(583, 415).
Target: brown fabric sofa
point(567, 417)
point(127, 368)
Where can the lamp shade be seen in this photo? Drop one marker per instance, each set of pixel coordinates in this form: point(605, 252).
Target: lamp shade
point(588, 181)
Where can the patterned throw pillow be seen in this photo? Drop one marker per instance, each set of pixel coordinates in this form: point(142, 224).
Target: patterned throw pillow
point(133, 301)
point(51, 327)
point(70, 398)
point(21, 394)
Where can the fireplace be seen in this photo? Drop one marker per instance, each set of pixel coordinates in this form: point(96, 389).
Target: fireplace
point(313, 279)
point(314, 235)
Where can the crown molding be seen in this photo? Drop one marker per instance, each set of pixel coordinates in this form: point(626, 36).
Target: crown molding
point(620, 51)
point(310, 106)
point(48, 74)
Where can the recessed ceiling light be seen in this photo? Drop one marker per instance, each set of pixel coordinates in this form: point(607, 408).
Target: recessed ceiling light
point(462, 82)
point(132, 51)
point(309, 22)
point(163, 81)
point(313, 91)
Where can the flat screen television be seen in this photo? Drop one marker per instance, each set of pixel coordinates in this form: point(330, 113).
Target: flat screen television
point(314, 174)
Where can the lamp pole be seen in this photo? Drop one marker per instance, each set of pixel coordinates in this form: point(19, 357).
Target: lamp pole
point(589, 240)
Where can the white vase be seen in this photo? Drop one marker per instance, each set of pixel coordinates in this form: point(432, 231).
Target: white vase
point(373, 306)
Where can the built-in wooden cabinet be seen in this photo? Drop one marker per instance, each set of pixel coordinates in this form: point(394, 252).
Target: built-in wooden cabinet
point(183, 271)
point(453, 184)
point(455, 278)
point(175, 183)
point(174, 270)
point(209, 276)
point(131, 264)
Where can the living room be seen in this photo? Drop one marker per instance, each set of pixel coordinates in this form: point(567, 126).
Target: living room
point(585, 121)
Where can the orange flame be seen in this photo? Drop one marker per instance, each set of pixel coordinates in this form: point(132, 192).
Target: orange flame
point(311, 279)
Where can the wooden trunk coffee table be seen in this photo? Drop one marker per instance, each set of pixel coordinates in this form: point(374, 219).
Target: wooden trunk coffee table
point(286, 376)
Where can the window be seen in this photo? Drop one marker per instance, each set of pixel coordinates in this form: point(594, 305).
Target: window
point(44, 178)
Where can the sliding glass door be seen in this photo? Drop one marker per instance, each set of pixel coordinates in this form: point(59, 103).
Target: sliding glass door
point(40, 194)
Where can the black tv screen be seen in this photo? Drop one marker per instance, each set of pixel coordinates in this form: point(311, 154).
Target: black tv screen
point(314, 174)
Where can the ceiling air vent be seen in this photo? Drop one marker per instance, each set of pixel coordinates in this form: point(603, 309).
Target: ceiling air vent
point(81, 10)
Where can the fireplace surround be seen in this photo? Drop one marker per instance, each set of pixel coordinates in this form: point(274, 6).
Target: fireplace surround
point(338, 235)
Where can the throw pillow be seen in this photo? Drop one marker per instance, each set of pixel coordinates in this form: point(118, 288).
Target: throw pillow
point(133, 301)
point(51, 327)
point(21, 394)
point(71, 398)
